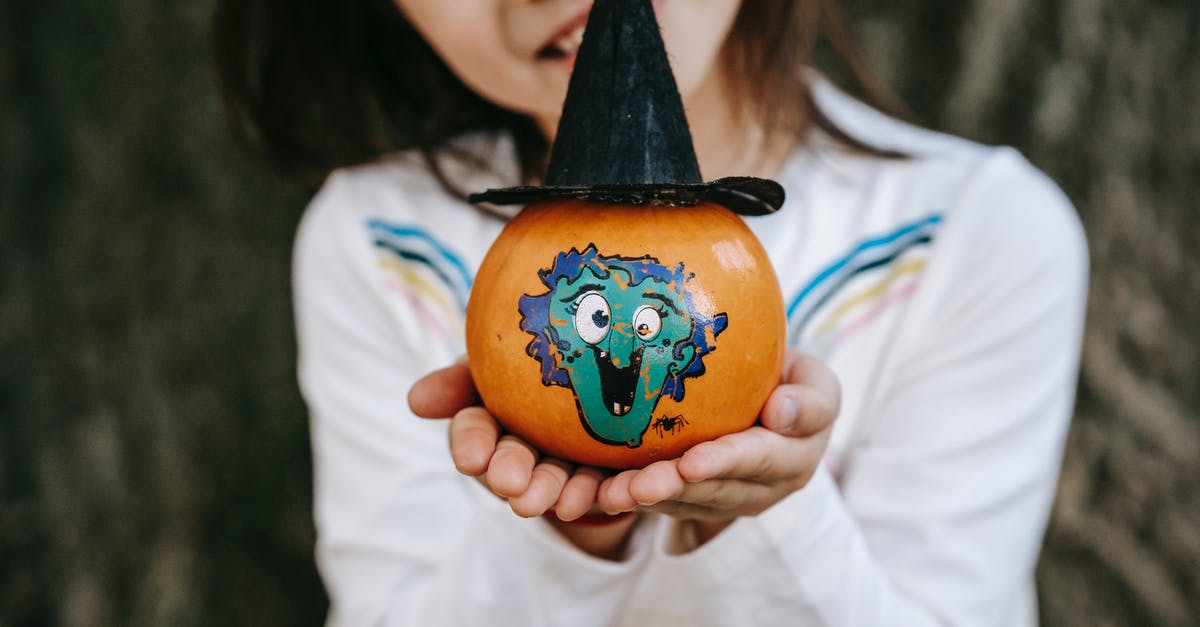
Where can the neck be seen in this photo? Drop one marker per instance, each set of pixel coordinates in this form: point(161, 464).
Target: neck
point(729, 139)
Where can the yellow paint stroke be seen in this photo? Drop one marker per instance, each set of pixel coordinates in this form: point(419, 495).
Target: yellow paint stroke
point(911, 266)
point(433, 291)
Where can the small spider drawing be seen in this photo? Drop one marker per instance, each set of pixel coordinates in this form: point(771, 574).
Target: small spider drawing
point(670, 425)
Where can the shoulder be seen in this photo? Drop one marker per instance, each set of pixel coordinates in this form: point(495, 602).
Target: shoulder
point(997, 241)
point(397, 187)
point(386, 249)
point(989, 201)
point(358, 206)
point(403, 185)
point(387, 240)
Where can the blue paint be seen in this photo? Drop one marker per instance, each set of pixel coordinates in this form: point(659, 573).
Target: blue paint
point(414, 232)
point(922, 225)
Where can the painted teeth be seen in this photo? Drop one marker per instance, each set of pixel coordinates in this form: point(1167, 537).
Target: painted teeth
point(620, 410)
point(604, 353)
point(569, 43)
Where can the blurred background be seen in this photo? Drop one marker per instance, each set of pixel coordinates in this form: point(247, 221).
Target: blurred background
point(154, 463)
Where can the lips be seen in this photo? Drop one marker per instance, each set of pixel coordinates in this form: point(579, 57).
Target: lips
point(565, 41)
point(563, 46)
point(618, 385)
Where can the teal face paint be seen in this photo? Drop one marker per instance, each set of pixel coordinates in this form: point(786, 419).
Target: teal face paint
point(620, 333)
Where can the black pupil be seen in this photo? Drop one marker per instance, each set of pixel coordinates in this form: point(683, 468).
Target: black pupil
point(600, 318)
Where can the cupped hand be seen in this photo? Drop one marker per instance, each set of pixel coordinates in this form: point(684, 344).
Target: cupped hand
point(743, 473)
point(735, 475)
point(532, 483)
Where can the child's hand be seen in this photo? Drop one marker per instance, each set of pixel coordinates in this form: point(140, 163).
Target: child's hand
point(742, 473)
point(531, 482)
point(714, 482)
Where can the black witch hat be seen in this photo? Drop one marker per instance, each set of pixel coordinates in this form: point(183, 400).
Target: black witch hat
point(623, 137)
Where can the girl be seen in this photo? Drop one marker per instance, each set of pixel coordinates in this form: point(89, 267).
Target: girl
point(935, 286)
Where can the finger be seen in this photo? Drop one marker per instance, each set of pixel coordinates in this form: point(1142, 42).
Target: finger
point(799, 411)
point(613, 496)
point(744, 453)
point(807, 400)
point(545, 485)
point(689, 511)
point(721, 499)
point(781, 413)
point(685, 511)
point(511, 467)
point(657, 482)
point(473, 435)
point(579, 494)
point(442, 393)
point(731, 497)
point(802, 367)
point(755, 454)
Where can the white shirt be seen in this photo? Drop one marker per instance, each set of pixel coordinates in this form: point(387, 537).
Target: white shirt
point(946, 291)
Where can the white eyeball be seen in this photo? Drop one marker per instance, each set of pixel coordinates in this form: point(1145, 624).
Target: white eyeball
point(592, 317)
point(647, 322)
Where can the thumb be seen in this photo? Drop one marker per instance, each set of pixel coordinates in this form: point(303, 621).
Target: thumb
point(442, 393)
point(806, 401)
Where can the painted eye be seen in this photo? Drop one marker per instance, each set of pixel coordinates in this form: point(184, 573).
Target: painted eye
point(592, 317)
point(647, 322)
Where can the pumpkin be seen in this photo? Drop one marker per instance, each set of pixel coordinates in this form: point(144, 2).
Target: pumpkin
point(616, 335)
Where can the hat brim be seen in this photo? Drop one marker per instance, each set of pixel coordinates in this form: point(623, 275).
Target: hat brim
point(743, 195)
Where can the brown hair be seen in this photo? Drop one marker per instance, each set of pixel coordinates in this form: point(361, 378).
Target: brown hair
point(328, 84)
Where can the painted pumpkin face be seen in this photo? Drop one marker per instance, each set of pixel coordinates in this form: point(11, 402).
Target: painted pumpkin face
point(660, 328)
point(624, 331)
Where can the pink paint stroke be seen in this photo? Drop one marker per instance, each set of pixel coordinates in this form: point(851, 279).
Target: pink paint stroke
point(860, 323)
point(427, 317)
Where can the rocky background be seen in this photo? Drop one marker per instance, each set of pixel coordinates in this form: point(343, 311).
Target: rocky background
point(154, 463)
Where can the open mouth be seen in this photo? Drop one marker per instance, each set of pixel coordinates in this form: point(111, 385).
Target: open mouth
point(618, 385)
point(564, 45)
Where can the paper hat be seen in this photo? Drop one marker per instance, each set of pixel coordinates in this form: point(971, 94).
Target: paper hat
point(623, 137)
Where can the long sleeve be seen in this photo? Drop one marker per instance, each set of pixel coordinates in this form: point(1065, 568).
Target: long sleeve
point(945, 493)
point(935, 516)
point(403, 539)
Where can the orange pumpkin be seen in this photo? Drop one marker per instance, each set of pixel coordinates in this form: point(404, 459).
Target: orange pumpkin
point(618, 335)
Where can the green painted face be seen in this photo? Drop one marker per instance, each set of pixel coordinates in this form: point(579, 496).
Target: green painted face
point(618, 343)
point(620, 333)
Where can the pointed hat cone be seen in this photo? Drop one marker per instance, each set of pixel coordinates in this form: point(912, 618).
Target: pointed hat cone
point(623, 136)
